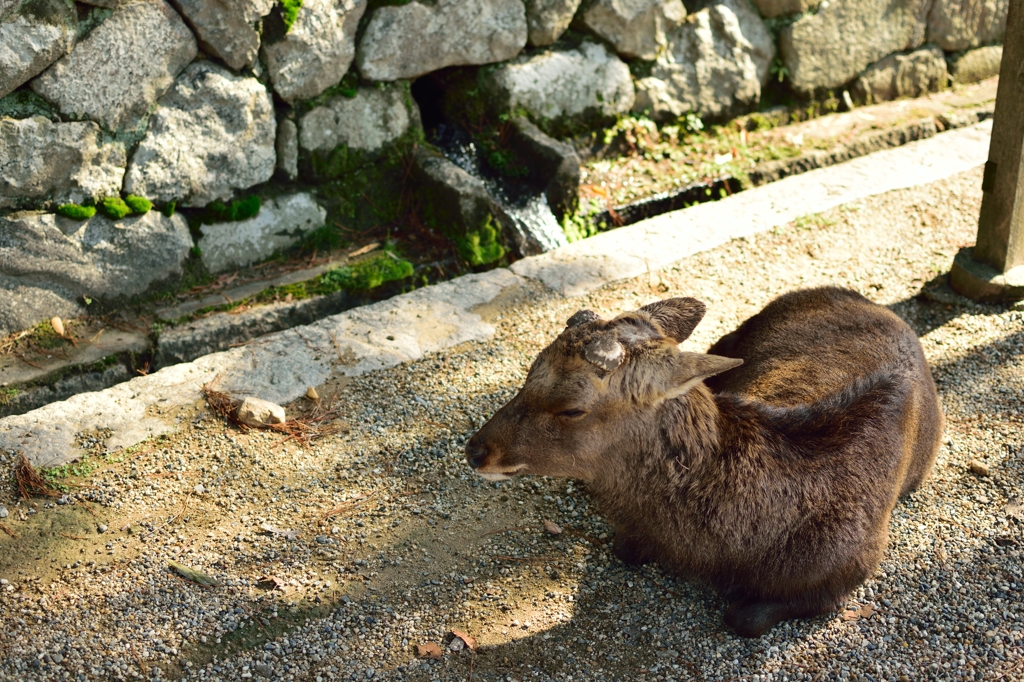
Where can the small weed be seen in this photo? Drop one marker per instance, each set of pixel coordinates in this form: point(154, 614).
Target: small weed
point(7, 394)
point(168, 209)
point(812, 220)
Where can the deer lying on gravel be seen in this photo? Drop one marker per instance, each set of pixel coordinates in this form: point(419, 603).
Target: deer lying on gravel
point(773, 482)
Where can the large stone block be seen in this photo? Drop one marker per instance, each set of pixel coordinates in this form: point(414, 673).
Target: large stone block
point(212, 134)
point(957, 25)
point(559, 84)
point(637, 28)
point(716, 63)
point(548, 19)
point(413, 39)
point(316, 51)
point(371, 120)
point(33, 34)
point(116, 73)
point(977, 65)
point(282, 222)
point(903, 75)
point(42, 162)
point(48, 262)
point(225, 28)
point(830, 48)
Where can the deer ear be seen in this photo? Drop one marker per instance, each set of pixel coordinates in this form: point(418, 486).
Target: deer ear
point(692, 368)
point(677, 317)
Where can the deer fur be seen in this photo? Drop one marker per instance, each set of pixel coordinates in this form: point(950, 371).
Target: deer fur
point(767, 468)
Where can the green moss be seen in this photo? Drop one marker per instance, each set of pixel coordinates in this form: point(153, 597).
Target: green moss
point(290, 12)
point(168, 209)
point(239, 209)
point(137, 204)
point(25, 104)
point(76, 211)
point(481, 246)
point(7, 394)
point(369, 273)
point(114, 207)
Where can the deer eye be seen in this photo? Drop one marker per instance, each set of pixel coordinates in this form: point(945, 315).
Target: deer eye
point(571, 414)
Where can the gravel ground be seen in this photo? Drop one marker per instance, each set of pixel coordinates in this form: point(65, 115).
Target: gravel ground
point(398, 543)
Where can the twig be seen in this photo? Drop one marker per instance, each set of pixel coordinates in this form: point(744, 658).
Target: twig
point(472, 657)
point(527, 559)
point(26, 360)
point(72, 537)
point(969, 530)
point(138, 658)
point(348, 505)
point(9, 531)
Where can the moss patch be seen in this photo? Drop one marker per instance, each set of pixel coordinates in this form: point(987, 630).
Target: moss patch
point(138, 205)
point(168, 209)
point(26, 104)
point(481, 246)
point(239, 209)
point(290, 12)
point(114, 207)
point(76, 211)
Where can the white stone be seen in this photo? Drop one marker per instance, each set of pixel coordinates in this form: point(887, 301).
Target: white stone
point(977, 65)
point(830, 48)
point(31, 41)
point(226, 29)
point(956, 25)
point(637, 28)
point(715, 65)
point(413, 39)
point(116, 73)
point(559, 83)
point(655, 243)
point(212, 134)
point(42, 163)
point(49, 262)
point(281, 222)
point(903, 75)
point(317, 50)
point(548, 19)
point(367, 122)
point(259, 412)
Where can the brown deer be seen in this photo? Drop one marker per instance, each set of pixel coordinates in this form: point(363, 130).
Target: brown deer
point(773, 482)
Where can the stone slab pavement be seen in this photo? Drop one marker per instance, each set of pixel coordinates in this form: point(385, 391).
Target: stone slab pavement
point(281, 366)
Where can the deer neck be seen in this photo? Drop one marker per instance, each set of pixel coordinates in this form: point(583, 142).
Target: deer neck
point(677, 440)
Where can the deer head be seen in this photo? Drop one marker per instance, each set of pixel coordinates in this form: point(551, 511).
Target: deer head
point(596, 389)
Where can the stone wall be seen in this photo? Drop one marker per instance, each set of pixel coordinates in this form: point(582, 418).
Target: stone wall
point(309, 104)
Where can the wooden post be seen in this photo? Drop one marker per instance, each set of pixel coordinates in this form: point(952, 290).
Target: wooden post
point(993, 270)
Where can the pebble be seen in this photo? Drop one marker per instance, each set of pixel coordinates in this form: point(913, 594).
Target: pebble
point(3, 512)
point(979, 468)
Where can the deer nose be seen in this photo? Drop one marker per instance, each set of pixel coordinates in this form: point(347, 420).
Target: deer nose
point(475, 454)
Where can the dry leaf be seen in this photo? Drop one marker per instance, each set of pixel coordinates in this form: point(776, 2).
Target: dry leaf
point(270, 583)
point(58, 325)
point(280, 532)
point(1015, 508)
point(865, 611)
point(192, 574)
point(366, 249)
point(552, 527)
point(470, 641)
point(428, 650)
point(312, 394)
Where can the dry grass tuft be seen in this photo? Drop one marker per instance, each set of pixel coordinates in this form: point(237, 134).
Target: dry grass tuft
point(30, 483)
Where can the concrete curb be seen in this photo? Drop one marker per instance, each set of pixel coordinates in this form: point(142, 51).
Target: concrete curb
point(280, 367)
